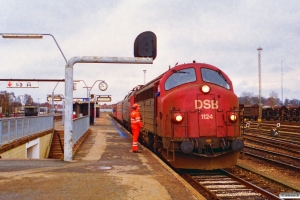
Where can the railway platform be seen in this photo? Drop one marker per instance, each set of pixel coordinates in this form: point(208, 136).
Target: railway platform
point(103, 168)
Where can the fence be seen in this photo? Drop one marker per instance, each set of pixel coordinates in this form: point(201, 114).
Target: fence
point(15, 128)
point(80, 126)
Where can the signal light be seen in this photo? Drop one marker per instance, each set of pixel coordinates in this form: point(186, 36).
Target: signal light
point(177, 117)
point(232, 117)
point(145, 45)
point(205, 89)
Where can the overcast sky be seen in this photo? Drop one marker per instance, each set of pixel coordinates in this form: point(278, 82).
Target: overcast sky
point(224, 33)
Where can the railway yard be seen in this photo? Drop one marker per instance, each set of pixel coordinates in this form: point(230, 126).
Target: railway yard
point(268, 166)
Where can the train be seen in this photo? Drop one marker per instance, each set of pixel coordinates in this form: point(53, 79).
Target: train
point(275, 113)
point(190, 116)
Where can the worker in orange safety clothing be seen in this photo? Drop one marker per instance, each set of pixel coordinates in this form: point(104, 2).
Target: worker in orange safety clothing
point(136, 125)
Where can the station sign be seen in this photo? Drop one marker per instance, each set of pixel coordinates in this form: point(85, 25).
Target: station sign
point(56, 97)
point(22, 84)
point(102, 98)
point(82, 99)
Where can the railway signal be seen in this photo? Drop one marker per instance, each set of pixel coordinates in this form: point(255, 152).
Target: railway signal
point(145, 45)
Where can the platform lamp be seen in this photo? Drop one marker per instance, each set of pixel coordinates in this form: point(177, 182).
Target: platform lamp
point(89, 95)
point(31, 36)
point(34, 36)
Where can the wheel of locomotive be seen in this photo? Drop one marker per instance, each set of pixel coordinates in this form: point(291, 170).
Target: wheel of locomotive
point(151, 141)
point(157, 144)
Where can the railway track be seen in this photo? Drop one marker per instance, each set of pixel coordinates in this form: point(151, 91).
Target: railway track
point(290, 162)
point(273, 150)
point(278, 144)
point(285, 132)
point(274, 155)
point(221, 184)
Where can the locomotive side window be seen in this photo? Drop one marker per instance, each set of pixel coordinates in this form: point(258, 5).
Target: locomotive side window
point(180, 77)
point(215, 77)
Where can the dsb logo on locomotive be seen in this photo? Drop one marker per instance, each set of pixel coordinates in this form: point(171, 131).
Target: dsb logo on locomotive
point(206, 104)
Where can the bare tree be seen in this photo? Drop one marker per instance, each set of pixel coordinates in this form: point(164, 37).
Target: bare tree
point(273, 98)
point(246, 98)
point(28, 100)
point(294, 102)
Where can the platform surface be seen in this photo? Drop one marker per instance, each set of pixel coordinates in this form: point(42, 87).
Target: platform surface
point(103, 168)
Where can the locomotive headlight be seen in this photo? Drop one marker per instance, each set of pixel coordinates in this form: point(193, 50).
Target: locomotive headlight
point(232, 117)
point(205, 89)
point(177, 117)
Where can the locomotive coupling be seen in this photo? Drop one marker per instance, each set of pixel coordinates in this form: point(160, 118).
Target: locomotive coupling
point(237, 145)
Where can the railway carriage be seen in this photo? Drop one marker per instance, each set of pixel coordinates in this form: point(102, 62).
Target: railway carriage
point(293, 113)
point(127, 103)
point(284, 113)
point(251, 112)
point(191, 117)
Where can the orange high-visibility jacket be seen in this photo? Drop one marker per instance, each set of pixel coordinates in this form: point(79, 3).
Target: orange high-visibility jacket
point(135, 119)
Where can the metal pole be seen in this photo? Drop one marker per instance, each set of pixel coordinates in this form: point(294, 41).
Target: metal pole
point(89, 99)
point(259, 82)
point(53, 98)
point(88, 96)
point(94, 110)
point(89, 106)
point(63, 112)
point(68, 128)
point(63, 108)
point(282, 84)
point(52, 102)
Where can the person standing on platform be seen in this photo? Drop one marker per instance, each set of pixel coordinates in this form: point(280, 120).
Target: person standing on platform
point(136, 125)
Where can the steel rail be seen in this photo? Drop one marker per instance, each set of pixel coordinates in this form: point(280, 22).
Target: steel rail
point(251, 185)
point(274, 161)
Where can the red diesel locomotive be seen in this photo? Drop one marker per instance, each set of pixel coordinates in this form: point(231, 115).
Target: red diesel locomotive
point(190, 115)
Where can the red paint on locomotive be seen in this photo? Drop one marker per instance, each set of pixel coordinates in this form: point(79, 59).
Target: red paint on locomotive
point(191, 116)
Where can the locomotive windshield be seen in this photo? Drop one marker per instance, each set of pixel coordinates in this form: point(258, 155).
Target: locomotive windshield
point(180, 77)
point(215, 77)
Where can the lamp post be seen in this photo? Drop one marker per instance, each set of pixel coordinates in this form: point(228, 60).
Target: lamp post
point(52, 99)
point(34, 36)
point(88, 96)
point(89, 99)
point(31, 36)
point(144, 76)
point(2, 99)
point(259, 83)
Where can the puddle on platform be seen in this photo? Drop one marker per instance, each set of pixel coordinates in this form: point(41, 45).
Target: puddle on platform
point(99, 167)
point(104, 167)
